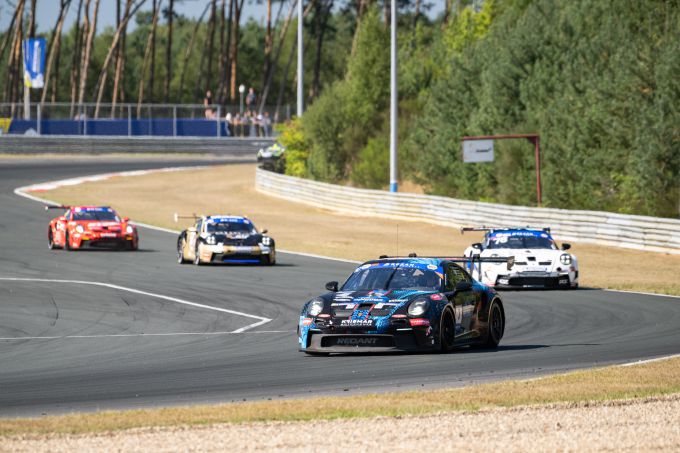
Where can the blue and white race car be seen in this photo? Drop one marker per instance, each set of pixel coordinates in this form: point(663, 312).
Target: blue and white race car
point(538, 261)
point(403, 304)
point(224, 239)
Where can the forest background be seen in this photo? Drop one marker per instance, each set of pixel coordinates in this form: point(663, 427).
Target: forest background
point(598, 80)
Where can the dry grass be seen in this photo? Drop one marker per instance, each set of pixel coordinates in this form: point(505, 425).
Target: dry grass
point(230, 189)
point(655, 378)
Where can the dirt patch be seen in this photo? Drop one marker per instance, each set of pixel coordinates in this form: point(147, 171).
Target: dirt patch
point(231, 189)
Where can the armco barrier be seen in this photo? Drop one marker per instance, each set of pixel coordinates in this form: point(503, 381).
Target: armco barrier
point(24, 144)
point(604, 228)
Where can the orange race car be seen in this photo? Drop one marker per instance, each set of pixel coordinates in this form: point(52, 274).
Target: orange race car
point(91, 227)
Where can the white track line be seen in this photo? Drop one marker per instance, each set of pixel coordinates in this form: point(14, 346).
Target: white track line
point(644, 294)
point(134, 335)
point(261, 319)
point(657, 359)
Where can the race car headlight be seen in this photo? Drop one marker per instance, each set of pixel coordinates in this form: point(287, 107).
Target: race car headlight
point(210, 240)
point(315, 307)
point(266, 240)
point(565, 258)
point(418, 307)
point(80, 229)
point(130, 229)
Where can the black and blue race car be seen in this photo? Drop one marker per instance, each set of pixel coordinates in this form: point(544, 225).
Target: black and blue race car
point(404, 304)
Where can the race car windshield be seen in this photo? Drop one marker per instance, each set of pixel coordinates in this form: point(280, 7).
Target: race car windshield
point(230, 227)
point(521, 242)
point(391, 278)
point(102, 216)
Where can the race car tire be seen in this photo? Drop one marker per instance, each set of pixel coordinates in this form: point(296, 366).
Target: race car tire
point(318, 354)
point(197, 256)
point(180, 252)
point(496, 326)
point(133, 247)
point(447, 331)
point(67, 242)
point(268, 260)
point(50, 240)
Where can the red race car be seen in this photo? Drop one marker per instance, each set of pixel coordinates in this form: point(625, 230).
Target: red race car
point(91, 227)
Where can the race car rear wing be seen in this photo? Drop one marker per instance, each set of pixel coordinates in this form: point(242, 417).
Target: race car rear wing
point(489, 228)
point(57, 207)
point(472, 263)
point(186, 216)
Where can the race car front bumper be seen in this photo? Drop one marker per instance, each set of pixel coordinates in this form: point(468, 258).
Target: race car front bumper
point(533, 280)
point(354, 341)
point(98, 241)
point(234, 254)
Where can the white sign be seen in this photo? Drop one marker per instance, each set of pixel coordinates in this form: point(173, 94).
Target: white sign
point(477, 150)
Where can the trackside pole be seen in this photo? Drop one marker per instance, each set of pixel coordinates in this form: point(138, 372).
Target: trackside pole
point(393, 99)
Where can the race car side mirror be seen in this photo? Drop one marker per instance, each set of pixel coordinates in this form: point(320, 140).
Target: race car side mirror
point(477, 246)
point(566, 246)
point(332, 286)
point(265, 231)
point(126, 219)
point(463, 286)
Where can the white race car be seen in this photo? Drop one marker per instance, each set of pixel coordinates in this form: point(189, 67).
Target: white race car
point(538, 261)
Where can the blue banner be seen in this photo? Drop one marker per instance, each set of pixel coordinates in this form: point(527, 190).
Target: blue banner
point(34, 62)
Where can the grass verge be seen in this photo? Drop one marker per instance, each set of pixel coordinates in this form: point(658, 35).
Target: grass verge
point(650, 379)
point(154, 198)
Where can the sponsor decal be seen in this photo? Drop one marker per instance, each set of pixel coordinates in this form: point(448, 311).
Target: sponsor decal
point(436, 297)
point(432, 267)
point(307, 321)
point(350, 341)
point(227, 219)
point(370, 299)
point(356, 322)
point(419, 322)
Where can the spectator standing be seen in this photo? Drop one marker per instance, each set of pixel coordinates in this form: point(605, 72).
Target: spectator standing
point(229, 124)
point(251, 99)
point(207, 103)
point(267, 125)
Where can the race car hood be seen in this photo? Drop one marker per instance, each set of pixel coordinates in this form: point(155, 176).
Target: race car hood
point(378, 302)
point(100, 226)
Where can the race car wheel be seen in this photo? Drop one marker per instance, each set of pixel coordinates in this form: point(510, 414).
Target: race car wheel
point(180, 251)
point(324, 354)
point(197, 256)
point(268, 260)
point(50, 240)
point(67, 242)
point(447, 331)
point(496, 326)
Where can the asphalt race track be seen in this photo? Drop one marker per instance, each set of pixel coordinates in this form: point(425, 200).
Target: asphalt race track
point(134, 339)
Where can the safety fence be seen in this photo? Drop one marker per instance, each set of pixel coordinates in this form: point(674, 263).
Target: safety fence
point(604, 228)
point(168, 120)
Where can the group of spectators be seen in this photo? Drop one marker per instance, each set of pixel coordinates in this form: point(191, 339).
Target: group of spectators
point(249, 124)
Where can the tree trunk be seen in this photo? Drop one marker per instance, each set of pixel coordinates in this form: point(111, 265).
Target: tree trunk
point(145, 62)
point(54, 47)
point(152, 79)
point(211, 44)
point(234, 47)
point(190, 48)
point(101, 82)
point(227, 50)
point(416, 15)
point(277, 54)
point(222, 59)
point(14, 61)
point(168, 54)
point(31, 23)
point(324, 8)
point(120, 57)
point(88, 49)
point(75, 67)
point(447, 11)
point(266, 69)
point(5, 42)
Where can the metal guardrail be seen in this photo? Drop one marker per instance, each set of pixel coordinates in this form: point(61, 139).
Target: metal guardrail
point(21, 144)
point(597, 227)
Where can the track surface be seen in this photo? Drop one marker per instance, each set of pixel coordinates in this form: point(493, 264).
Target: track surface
point(68, 346)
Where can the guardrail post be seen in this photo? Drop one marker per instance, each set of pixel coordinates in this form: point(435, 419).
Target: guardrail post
point(174, 121)
point(129, 120)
